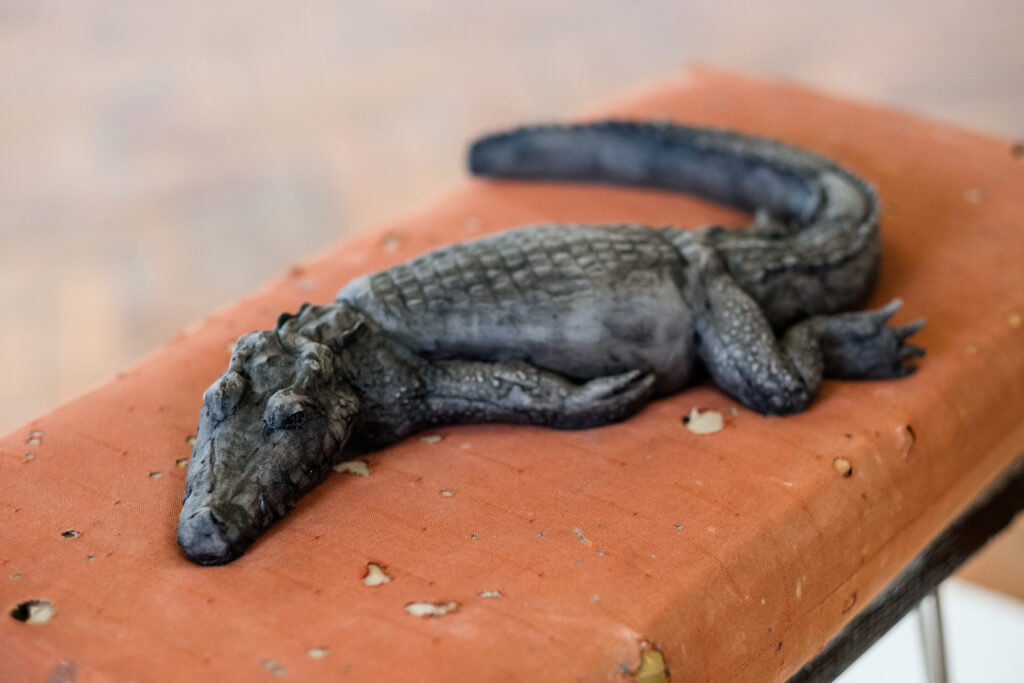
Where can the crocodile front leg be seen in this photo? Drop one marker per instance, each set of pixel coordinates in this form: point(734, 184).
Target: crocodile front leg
point(517, 392)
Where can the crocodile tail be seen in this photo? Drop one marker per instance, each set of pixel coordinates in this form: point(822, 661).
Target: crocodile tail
point(821, 251)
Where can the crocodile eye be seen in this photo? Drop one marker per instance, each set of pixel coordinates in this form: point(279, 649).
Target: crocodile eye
point(293, 421)
point(286, 410)
point(286, 419)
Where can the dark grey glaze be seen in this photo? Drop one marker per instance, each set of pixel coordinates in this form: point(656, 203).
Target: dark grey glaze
point(568, 326)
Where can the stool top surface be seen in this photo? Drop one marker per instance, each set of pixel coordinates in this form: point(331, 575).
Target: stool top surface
point(738, 554)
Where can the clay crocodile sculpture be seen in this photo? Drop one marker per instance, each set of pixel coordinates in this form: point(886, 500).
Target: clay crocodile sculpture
point(568, 326)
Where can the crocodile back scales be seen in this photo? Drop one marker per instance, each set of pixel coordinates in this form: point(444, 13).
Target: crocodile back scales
point(556, 286)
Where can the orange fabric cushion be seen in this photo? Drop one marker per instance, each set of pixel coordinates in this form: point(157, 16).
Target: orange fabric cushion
point(738, 553)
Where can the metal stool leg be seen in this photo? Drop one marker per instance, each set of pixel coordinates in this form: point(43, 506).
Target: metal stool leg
point(933, 643)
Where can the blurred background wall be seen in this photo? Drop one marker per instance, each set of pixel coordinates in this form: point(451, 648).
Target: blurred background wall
point(158, 159)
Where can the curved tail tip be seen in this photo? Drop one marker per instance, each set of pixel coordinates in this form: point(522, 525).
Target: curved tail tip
point(488, 157)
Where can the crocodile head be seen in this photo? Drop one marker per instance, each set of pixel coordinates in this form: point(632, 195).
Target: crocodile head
point(270, 429)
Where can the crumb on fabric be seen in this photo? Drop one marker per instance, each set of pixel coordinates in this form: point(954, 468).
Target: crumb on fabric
point(33, 612)
point(843, 466)
point(274, 668)
point(360, 468)
point(375, 575)
point(706, 422)
point(652, 667)
point(431, 609)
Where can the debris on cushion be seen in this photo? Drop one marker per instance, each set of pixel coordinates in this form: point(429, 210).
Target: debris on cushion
point(274, 668)
point(843, 466)
point(652, 667)
point(375, 575)
point(360, 468)
point(703, 422)
point(33, 611)
point(431, 609)
point(391, 242)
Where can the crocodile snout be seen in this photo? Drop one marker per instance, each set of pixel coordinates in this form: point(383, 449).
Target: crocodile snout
point(206, 538)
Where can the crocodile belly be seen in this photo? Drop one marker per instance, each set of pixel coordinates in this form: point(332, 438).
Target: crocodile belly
point(584, 301)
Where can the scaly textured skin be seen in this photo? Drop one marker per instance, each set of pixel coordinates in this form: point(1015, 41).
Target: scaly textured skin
point(568, 326)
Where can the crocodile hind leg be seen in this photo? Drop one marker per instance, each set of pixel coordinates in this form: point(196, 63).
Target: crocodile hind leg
point(778, 376)
point(520, 393)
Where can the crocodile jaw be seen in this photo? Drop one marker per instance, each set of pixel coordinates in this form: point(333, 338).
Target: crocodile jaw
point(240, 481)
